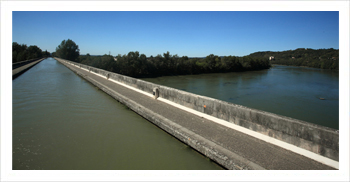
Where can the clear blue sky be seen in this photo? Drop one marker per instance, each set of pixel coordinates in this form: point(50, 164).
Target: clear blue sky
point(193, 34)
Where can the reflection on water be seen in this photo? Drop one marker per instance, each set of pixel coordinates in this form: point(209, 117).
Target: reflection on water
point(286, 90)
point(62, 122)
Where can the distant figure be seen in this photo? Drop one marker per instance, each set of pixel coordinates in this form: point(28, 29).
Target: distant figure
point(156, 92)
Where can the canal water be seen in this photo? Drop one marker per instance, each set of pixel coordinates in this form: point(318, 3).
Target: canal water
point(307, 94)
point(60, 121)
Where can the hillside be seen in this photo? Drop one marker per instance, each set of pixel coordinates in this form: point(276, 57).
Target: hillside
point(316, 58)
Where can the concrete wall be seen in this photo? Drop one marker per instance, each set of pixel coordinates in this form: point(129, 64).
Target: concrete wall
point(21, 67)
point(312, 137)
point(22, 63)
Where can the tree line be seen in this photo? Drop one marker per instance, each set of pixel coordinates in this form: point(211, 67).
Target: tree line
point(21, 52)
point(139, 65)
point(316, 58)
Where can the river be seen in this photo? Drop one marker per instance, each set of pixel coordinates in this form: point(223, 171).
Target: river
point(307, 94)
point(60, 121)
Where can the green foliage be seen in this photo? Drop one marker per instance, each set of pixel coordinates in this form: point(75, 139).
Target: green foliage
point(34, 52)
point(46, 54)
point(320, 58)
point(138, 65)
point(22, 52)
point(68, 50)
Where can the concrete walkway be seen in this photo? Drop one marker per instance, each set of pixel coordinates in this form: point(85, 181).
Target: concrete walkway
point(230, 148)
point(20, 70)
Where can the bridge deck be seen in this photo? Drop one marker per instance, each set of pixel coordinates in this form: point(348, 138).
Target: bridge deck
point(249, 152)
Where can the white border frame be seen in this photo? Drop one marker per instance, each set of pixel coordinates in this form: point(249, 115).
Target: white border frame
point(7, 174)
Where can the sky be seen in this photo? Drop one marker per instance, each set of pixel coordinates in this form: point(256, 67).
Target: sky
point(185, 33)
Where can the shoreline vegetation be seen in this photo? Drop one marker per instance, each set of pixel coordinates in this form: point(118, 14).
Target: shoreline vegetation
point(139, 65)
point(135, 65)
point(311, 58)
point(23, 52)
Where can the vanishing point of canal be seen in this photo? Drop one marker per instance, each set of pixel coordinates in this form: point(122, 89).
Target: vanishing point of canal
point(60, 121)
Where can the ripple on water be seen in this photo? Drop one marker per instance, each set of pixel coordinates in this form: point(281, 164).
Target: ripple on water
point(62, 122)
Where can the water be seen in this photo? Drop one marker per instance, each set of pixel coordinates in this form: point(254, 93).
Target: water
point(285, 90)
point(60, 121)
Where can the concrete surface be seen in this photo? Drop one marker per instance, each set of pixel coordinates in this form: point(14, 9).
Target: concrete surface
point(21, 67)
point(315, 138)
point(228, 147)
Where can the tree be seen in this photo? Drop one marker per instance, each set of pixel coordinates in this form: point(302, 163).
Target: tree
point(34, 52)
point(22, 52)
point(45, 53)
point(19, 52)
point(68, 50)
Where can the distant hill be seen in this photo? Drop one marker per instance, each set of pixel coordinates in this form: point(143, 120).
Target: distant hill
point(316, 58)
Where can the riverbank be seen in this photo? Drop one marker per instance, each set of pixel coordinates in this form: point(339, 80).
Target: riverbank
point(138, 65)
point(335, 70)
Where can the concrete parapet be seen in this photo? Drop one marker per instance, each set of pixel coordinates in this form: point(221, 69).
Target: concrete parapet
point(21, 67)
point(312, 137)
point(315, 138)
point(22, 63)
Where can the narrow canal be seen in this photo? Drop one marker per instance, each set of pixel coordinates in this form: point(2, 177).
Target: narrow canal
point(60, 121)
